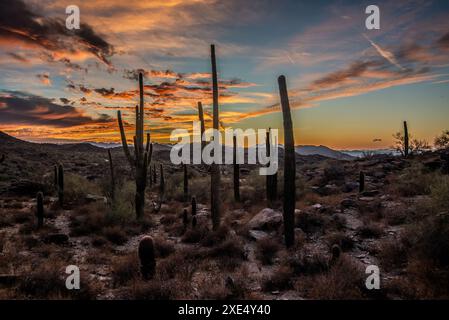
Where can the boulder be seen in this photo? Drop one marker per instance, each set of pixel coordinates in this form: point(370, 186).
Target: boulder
point(258, 235)
point(266, 219)
point(348, 203)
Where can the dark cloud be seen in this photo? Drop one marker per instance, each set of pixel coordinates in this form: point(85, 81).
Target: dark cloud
point(19, 23)
point(23, 108)
point(18, 57)
point(443, 42)
point(44, 78)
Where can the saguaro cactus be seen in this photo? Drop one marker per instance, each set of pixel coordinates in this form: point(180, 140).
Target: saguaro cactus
point(406, 140)
point(142, 157)
point(361, 181)
point(203, 127)
point(111, 169)
point(289, 166)
point(193, 206)
point(61, 184)
point(215, 169)
point(271, 179)
point(147, 258)
point(186, 182)
point(40, 209)
point(236, 170)
point(154, 174)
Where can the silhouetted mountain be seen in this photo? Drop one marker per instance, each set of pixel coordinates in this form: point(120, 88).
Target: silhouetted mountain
point(322, 151)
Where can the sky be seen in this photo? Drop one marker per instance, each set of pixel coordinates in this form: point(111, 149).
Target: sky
point(349, 87)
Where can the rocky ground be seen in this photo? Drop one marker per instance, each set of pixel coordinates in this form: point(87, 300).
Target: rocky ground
point(398, 223)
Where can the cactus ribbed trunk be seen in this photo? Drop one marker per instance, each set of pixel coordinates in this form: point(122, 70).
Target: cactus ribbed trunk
point(111, 169)
point(142, 155)
point(147, 258)
point(289, 166)
point(215, 169)
point(203, 127)
point(361, 181)
point(406, 140)
point(271, 179)
point(236, 167)
point(40, 209)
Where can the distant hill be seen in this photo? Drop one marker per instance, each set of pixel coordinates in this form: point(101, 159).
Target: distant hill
point(322, 151)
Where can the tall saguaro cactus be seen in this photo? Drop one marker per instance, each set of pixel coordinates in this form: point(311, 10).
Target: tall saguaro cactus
point(236, 170)
point(111, 169)
point(271, 179)
point(142, 156)
point(289, 166)
point(215, 169)
point(406, 138)
point(203, 127)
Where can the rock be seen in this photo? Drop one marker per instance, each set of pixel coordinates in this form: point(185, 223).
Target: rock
point(267, 219)
point(56, 238)
point(379, 175)
point(95, 198)
point(317, 206)
point(327, 190)
point(366, 199)
point(258, 234)
point(348, 203)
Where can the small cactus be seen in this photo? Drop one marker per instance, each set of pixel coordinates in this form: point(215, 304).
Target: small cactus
point(40, 210)
point(336, 252)
point(236, 170)
point(147, 258)
point(111, 169)
point(193, 212)
point(61, 184)
point(361, 181)
point(406, 140)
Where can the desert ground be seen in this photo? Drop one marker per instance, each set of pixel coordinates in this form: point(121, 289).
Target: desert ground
point(399, 222)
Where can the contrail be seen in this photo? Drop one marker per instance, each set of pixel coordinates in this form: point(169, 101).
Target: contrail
point(384, 53)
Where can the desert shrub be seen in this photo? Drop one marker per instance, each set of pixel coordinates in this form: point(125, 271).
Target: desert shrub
point(370, 230)
point(46, 281)
point(310, 222)
point(163, 247)
point(392, 254)
point(344, 280)
point(88, 219)
point(341, 239)
point(414, 181)
point(154, 290)
point(179, 265)
point(114, 234)
point(195, 235)
point(122, 208)
point(76, 187)
point(307, 262)
point(215, 237)
point(266, 250)
point(333, 171)
point(230, 253)
point(280, 279)
point(200, 188)
point(125, 269)
point(439, 192)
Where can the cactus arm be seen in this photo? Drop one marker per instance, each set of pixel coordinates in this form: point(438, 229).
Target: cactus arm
point(123, 138)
